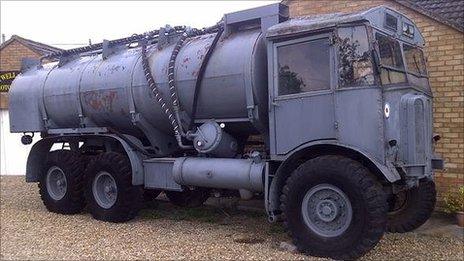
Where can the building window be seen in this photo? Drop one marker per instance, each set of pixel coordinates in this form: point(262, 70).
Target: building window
point(304, 67)
point(355, 65)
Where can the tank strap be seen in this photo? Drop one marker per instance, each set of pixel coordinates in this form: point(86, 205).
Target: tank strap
point(201, 74)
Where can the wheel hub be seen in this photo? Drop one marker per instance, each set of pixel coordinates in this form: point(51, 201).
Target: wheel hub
point(105, 190)
point(326, 210)
point(55, 182)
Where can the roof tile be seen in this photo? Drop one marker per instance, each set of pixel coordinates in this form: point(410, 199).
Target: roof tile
point(450, 12)
point(40, 48)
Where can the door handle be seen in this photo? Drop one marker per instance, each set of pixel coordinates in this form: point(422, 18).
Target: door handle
point(275, 104)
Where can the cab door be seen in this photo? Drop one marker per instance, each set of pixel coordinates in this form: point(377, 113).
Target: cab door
point(301, 93)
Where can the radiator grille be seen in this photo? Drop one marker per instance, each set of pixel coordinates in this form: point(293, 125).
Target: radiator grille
point(416, 134)
point(419, 129)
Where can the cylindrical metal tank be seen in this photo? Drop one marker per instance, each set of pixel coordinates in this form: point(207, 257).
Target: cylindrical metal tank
point(107, 92)
point(219, 173)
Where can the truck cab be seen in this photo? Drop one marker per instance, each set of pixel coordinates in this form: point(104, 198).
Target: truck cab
point(354, 85)
point(355, 79)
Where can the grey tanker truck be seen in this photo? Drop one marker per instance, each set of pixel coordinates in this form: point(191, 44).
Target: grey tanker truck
point(328, 118)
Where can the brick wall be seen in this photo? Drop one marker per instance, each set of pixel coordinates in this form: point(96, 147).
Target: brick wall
point(10, 59)
point(444, 49)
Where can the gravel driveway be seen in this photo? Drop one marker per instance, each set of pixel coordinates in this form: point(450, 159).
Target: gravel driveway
point(163, 231)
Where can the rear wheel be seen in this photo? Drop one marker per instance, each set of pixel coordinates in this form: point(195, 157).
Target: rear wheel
point(411, 208)
point(109, 190)
point(334, 207)
point(189, 197)
point(62, 182)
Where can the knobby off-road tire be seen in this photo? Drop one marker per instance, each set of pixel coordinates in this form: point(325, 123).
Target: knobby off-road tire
point(189, 197)
point(412, 208)
point(346, 209)
point(109, 191)
point(61, 185)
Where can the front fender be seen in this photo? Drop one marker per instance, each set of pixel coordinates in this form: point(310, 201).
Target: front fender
point(319, 148)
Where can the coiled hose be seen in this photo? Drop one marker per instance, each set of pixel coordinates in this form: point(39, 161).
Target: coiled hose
point(172, 63)
point(174, 116)
point(159, 98)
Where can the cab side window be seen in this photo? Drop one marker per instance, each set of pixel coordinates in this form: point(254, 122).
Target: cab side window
point(304, 67)
point(355, 64)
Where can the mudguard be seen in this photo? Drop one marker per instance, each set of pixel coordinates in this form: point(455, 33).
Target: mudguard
point(39, 151)
point(273, 193)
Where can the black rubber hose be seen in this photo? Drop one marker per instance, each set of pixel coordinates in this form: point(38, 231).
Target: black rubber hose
point(172, 64)
point(201, 74)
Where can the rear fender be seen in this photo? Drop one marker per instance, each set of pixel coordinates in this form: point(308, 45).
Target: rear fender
point(39, 152)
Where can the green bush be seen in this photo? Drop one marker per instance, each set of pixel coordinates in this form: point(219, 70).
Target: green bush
point(455, 201)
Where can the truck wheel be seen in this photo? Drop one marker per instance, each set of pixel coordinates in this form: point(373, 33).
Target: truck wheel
point(334, 207)
point(410, 209)
point(109, 190)
point(62, 183)
point(189, 197)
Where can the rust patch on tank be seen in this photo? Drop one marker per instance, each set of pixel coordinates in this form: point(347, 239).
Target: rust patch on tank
point(200, 54)
point(100, 100)
point(115, 68)
point(185, 62)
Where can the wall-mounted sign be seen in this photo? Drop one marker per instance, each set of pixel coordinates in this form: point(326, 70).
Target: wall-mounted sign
point(6, 78)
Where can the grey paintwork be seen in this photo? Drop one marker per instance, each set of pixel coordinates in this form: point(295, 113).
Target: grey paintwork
point(159, 174)
point(219, 173)
point(374, 16)
point(90, 95)
point(90, 91)
point(211, 139)
point(349, 118)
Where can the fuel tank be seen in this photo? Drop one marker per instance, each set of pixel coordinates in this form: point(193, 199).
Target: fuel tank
point(108, 90)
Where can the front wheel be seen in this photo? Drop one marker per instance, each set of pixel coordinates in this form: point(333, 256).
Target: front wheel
point(334, 207)
point(109, 190)
point(411, 208)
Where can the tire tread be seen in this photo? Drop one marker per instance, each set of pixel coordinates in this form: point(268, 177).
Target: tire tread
point(130, 197)
point(70, 162)
point(374, 196)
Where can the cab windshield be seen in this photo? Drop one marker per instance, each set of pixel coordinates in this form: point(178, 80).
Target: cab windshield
point(415, 63)
point(396, 70)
